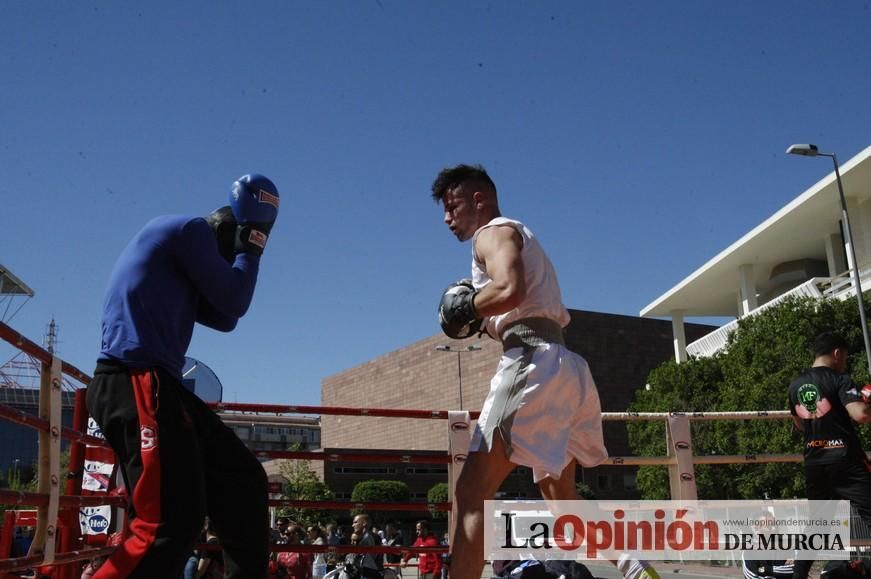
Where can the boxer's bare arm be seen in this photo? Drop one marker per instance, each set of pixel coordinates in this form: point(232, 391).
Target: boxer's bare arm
point(498, 249)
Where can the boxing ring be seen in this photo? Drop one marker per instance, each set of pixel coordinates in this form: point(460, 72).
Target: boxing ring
point(59, 546)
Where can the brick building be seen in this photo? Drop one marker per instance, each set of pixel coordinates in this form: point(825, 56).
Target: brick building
point(621, 351)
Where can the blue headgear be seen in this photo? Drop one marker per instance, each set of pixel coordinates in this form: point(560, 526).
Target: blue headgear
point(254, 199)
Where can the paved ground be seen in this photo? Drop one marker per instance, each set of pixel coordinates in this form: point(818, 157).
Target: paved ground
point(671, 570)
point(699, 569)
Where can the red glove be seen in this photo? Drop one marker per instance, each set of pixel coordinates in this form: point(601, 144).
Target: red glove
point(865, 393)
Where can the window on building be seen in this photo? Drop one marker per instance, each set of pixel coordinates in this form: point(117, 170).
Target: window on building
point(364, 470)
point(439, 470)
point(510, 495)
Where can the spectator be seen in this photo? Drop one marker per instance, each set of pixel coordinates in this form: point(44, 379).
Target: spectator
point(428, 564)
point(393, 538)
point(367, 564)
point(190, 568)
point(211, 561)
point(22, 540)
point(91, 567)
point(94, 564)
point(279, 534)
point(765, 569)
point(293, 565)
point(319, 561)
point(315, 535)
point(334, 536)
point(446, 541)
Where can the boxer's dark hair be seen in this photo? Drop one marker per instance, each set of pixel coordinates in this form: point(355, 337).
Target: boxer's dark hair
point(450, 178)
point(827, 342)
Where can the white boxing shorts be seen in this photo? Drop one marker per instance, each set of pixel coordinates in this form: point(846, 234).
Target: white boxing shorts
point(544, 403)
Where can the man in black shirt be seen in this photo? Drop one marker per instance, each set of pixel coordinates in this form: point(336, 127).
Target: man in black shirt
point(392, 538)
point(824, 403)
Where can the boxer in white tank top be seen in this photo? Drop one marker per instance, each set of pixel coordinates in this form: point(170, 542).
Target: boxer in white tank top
point(543, 409)
point(542, 400)
point(543, 298)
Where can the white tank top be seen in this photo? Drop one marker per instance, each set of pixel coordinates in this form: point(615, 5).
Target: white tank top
point(543, 298)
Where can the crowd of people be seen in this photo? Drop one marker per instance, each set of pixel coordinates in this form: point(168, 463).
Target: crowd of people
point(289, 564)
point(206, 560)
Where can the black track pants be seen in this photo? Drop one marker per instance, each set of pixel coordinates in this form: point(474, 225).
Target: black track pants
point(179, 464)
point(849, 481)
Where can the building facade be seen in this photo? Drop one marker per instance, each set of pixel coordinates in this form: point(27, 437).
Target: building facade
point(621, 351)
point(302, 434)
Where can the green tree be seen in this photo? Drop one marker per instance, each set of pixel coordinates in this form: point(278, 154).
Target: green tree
point(379, 491)
point(26, 479)
point(437, 493)
point(761, 358)
point(301, 483)
point(16, 479)
point(584, 491)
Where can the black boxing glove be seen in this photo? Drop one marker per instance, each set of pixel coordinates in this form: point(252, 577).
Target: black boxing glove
point(457, 315)
point(251, 238)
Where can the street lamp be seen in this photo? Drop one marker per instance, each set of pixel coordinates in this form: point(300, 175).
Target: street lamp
point(459, 352)
point(808, 150)
point(14, 474)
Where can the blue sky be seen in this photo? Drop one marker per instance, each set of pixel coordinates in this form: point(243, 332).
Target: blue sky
point(637, 139)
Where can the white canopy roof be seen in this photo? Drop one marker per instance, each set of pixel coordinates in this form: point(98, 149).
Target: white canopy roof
point(795, 232)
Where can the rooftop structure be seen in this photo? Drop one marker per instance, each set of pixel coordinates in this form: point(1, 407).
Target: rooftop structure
point(799, 249)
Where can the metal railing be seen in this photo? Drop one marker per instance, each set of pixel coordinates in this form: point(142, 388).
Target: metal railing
point(716, 341)
point(56, 517)
point(838, 287)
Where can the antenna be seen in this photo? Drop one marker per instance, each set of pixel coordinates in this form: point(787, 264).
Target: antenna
point(50, 339)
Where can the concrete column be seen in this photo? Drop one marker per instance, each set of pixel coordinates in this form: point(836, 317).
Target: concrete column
point(861, 220)
point(748, 290)
point(835, 254)
point(680, 338)
point(858, 230)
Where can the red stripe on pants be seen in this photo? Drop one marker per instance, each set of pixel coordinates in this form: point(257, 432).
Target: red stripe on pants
point(142, 531)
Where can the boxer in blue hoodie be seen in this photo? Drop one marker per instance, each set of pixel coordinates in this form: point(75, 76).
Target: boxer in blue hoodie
point(179, 462)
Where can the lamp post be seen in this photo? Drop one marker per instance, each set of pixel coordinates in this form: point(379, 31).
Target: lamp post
point(15, 473)
point(459, 352)
point(808, 150)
